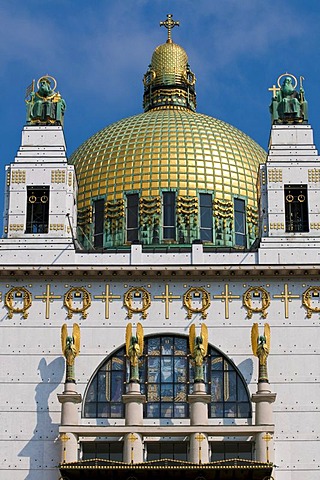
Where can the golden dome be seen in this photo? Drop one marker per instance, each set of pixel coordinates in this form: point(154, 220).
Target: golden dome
point(168, 149)
point(125, 170)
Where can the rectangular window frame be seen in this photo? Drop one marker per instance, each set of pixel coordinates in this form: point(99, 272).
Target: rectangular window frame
point(105, 450)
point(296, 208)
point(240, 234)
point(132, 217)
point(98, 222)
point(221, 451)
point(169, 224)
point(38, 208)
point(206, 213)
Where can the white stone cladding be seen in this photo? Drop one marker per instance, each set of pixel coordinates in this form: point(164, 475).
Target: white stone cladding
point(33, 367)
point(41, 161)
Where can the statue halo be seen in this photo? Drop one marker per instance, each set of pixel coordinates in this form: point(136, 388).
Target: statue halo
point(287, 75)
point(49, 77)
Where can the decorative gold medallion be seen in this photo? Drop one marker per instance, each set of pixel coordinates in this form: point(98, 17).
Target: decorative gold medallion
point(307, 300)
point(135, 293)
point(77, 293)
point(15, 295)
point(197, 293)
point(256, 293)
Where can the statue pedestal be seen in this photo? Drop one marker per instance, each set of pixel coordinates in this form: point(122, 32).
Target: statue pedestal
point(264, 399)
point(133, 443)
point(134, 401)
point(69, 400)
point(198, 400)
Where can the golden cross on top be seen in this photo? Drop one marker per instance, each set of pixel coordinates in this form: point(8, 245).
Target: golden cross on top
point(48, 298)
point(226, 297)
point(167, 298)
point(169, 24)
point(107, 298)
point(286, 297)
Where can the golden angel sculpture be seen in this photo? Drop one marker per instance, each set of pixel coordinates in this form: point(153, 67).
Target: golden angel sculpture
point(199, 349)
point(70, 348)
point(261, 348)
point(134, 350)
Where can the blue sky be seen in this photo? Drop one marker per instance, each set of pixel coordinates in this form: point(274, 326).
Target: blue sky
point(99, 50)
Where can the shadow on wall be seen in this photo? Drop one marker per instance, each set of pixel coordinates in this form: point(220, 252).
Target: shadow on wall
point(43, 448)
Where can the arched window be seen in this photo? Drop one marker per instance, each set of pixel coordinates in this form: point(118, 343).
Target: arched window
point(166, 374)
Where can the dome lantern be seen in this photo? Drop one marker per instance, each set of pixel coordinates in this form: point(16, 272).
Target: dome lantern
point(169, 82)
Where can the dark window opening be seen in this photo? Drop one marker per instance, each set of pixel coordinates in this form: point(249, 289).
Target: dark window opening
point(37, 209)
point(172, 450)
point(98, 223)
point(103, 450)
point(132, 217)
point(228, 450)
point(240, 222)
point(296, 208)
point(169, 215)
point(206, 217)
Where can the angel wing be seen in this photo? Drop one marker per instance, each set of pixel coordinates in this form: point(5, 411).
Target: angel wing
point(128, 337)
point(192, 338)
point(254, 338)
point(267, 335)
point(140, 336)
point(204, 337)
point(64, 334)
point(76, 337)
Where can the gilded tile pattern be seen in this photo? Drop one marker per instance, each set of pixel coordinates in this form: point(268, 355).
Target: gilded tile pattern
point(168, 149)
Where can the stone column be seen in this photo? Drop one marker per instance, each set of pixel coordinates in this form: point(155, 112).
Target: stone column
point(199, 448)
point(264, 399)
point(133, 443)
point(69, 400)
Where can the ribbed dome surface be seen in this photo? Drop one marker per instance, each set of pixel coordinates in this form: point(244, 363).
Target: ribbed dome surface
point(168, 149)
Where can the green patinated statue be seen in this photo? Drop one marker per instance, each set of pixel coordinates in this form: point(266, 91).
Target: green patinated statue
point(261, 348)
point(70, 348)
point(199, 348)
point(134, 350)
point(46, 106)
point(288, 105)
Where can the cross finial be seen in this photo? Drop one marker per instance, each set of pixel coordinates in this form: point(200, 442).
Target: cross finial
point(169, 24)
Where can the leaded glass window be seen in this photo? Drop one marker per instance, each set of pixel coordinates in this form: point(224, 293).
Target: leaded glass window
point(103, 450)
point(98, 223)
point(169, 215)
point(240, 222)
point(166, 374)
point(227, 450)
point(206, 217)
point(132, 217)
point(173, 450)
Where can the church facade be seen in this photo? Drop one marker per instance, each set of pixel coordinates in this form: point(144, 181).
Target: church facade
point(160, 291)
